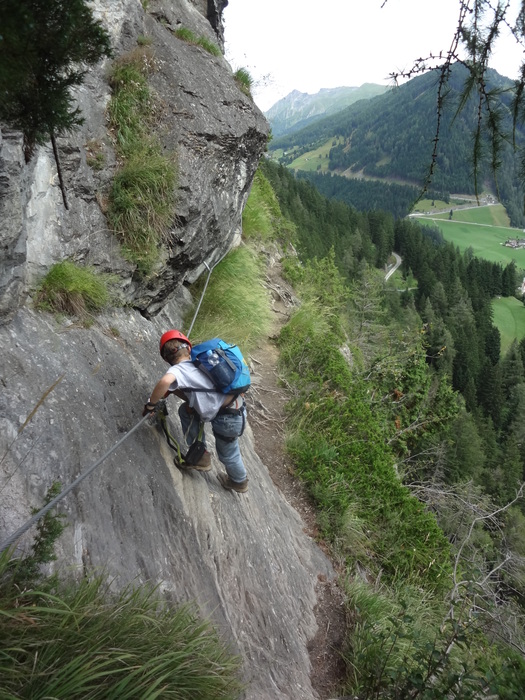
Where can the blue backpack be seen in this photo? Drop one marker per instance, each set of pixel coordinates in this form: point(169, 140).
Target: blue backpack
point(224, 365)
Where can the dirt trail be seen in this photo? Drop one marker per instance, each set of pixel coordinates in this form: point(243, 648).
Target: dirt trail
point(266, 402)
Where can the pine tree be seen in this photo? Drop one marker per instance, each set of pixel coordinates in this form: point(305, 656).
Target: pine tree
point(465, 456)
point(45, 46)
point(512, 370)
point(509, 280)
point(490, 392)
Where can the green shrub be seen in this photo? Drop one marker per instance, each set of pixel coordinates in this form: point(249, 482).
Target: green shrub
point(244, 80)
point(72, 289)
point(80, 641)
point(382, 641)
point(293, 270)
point(405, 645)
point(190, 38)
point(24, 572)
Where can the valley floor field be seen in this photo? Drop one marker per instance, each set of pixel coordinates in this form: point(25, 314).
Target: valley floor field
point(484, 229)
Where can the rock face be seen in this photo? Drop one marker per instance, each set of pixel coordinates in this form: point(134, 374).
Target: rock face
point(69, 394)
point(243, 558)
point(12, 232)
point(214, 131)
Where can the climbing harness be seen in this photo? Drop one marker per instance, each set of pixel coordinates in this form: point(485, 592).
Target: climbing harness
point(195, 451)
point(161, 415)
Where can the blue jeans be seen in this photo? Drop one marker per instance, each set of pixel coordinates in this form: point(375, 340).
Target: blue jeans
point(224, 425)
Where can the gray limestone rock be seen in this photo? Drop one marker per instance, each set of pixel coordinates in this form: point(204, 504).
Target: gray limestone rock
point(213, 131)
point(12, 229)
point(244, 558)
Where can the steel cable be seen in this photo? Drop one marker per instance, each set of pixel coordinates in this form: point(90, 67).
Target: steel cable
point(24, 528)
point(10, 540)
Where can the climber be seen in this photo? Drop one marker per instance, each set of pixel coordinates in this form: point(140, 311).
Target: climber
point(202, 403)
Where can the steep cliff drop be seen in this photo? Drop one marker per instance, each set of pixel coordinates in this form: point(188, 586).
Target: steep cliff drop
point(247, 562)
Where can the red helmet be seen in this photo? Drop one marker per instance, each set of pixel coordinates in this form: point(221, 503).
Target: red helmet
point(172, 335)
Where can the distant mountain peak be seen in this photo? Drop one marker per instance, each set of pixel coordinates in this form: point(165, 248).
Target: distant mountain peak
point(299, 109)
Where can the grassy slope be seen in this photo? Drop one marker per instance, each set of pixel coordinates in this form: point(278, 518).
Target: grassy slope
point(311, 160)
point(491, 215)
point(434, 206)
point(340, 448)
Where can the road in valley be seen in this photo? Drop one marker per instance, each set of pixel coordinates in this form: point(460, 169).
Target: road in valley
point(393, 269)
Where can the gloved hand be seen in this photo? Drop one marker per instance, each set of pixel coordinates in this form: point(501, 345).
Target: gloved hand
point(149, 408)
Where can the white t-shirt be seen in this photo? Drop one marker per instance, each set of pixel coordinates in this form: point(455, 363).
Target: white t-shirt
point(187, 377)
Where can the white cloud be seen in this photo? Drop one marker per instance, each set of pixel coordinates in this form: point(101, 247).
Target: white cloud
point(312, 44)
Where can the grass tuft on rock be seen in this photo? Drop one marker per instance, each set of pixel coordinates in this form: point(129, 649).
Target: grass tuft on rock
point(72, 289)
point(191, 38)
point(141, 203)
point(79, 640)
point(141, 206)
point(244, 80)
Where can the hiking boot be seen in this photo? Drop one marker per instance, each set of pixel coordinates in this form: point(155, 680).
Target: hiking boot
point(227, 483)
point(203, 465)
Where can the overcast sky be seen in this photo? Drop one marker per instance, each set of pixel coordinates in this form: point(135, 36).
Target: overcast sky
point(307, 45)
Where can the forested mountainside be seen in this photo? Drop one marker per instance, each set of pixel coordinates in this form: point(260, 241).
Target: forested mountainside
point(369, 194)
point(299, 109)
point(429, 385)
point(391, 137)
point(452, 295)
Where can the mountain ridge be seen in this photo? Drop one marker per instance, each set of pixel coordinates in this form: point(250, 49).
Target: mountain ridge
point(299, 109)
point(392, 136)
